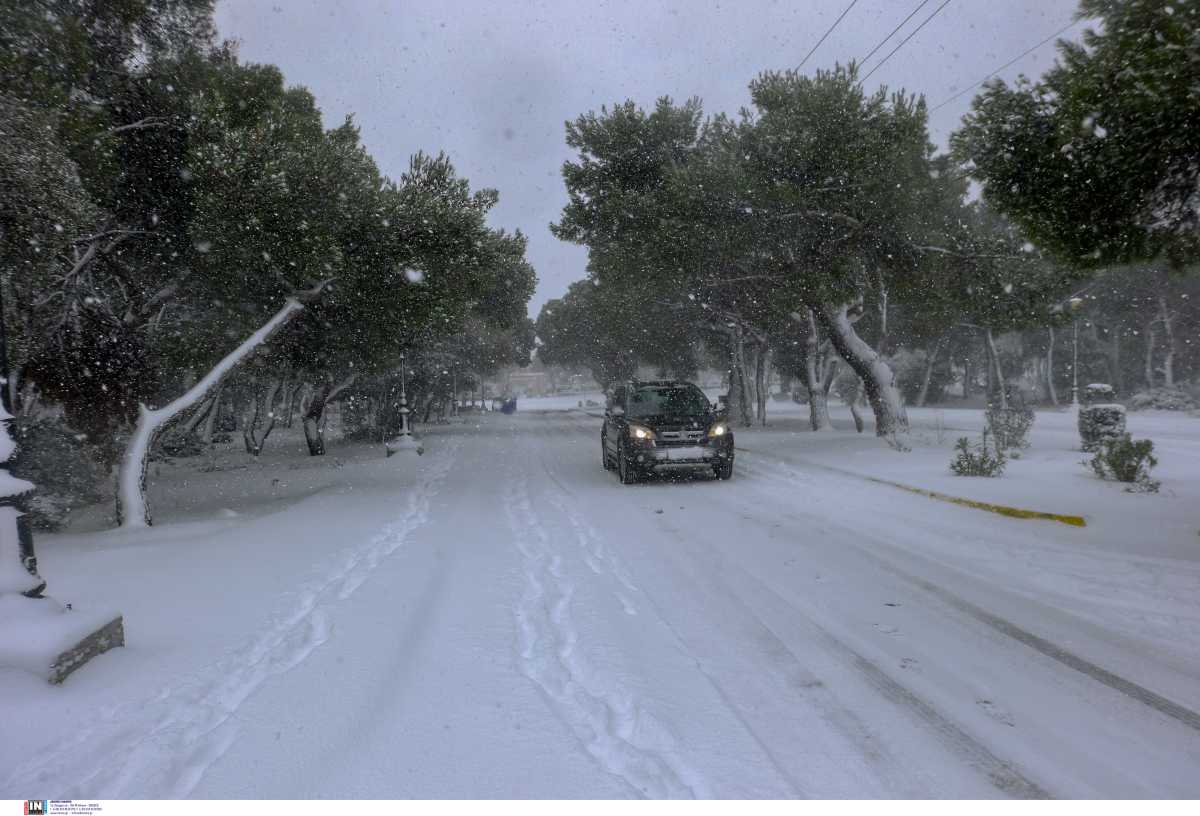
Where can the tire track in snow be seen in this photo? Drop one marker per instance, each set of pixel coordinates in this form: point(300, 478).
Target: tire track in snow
point(1135, 691)
point(596, 554)
point(161, 748)
point(626, 740)
point(749, 592)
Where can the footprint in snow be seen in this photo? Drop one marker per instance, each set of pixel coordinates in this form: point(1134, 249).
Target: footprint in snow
point(910, 664)
point(886, 629)
point(995, 712)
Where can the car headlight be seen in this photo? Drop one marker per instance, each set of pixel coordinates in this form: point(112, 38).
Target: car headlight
point(720, 429)
point(640, 432)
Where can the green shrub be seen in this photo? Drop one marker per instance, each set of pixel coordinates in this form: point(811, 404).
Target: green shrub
point(1099, 394)
point(977, 460)
point(1098, 423)
point(1010, 426)
point(1163, 399)
point(1127, 460)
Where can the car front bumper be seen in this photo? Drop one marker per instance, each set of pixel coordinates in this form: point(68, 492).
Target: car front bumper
point(681, 457)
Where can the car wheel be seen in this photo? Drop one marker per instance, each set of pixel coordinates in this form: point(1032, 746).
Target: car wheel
point(724, 470)
point(625, 470)
point(604, 455)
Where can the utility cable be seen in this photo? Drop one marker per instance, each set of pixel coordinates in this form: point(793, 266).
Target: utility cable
point(925, 22)
point(826, 34)
point(1005, 65)
point(903, 22)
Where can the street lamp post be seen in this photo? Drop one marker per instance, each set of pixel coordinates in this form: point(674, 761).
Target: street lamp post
point(1075, 304)
point(404, 440)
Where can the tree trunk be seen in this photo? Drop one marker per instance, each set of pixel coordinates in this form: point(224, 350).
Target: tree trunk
point(132, 508)
point(210, 423)
point(291, 399)
point(882, 306)
point(762, 382)
point(817, 376)
point(1150, 338)
point(994, 360)
point(1050, 390)
point(818, 410)
point(1119, 378)
point(739, 407)
point(854, 412)
point(263, 416)
point(750, 355)
point(878, 378)
point(314, 434)
point(206, 408)
point(1167, 320)
point(818, 405)
point(927, 377)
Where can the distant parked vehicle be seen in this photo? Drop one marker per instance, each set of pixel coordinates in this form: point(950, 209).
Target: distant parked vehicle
point(664, 425)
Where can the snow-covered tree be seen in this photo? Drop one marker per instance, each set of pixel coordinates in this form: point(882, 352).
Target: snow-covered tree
point(1097, 160)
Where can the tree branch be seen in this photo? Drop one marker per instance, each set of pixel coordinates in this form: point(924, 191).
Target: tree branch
point(142, 124)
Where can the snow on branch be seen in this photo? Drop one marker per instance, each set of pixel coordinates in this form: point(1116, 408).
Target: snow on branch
point(132, 509)
point(143, 124)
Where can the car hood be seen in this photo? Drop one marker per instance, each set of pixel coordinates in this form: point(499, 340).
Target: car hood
point(675, 420)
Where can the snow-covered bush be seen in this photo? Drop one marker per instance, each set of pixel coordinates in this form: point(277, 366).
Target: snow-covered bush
point(1127, 460)
point(65, 468)
point(1163, 399)
point(1010, 426)
point(1100, 422)
point(1099, 394)
point(977, 460)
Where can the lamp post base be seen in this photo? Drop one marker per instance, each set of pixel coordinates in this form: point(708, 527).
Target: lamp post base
point(402, 443)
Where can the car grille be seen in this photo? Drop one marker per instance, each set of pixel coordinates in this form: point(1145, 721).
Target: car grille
point(680, 437)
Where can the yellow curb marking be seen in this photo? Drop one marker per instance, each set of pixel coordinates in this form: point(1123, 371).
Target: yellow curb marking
point(1013, 512)
point(1003, 510)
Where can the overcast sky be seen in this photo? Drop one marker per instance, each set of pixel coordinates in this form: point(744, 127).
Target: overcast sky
point(491, 83)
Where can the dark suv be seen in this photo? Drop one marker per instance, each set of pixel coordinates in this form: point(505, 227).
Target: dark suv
point(664, 425)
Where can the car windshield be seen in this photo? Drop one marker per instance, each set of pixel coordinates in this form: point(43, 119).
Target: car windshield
point(671, 400)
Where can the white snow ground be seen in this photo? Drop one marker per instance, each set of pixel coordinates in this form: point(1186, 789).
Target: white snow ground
point(501, 618)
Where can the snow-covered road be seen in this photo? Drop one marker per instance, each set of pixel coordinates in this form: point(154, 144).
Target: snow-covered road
point(519, 624)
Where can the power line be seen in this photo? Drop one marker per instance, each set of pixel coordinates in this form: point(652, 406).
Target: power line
point(1012, 61)
point(879, 45)
point(826, 34)
point(879, 64)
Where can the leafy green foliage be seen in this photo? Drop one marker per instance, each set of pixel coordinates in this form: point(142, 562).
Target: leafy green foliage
point(174, 197)
point(1010, 426)
point(584, 328)
point(1124, 459)
point(977, 460)
point(62, 465)
point(1097, 160)
point(1100, 423)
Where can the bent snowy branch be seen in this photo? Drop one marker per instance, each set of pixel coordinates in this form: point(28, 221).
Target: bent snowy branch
point(132, 507)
